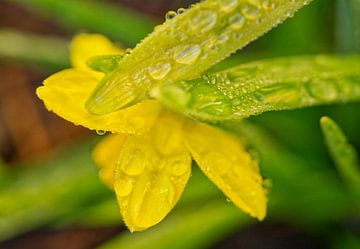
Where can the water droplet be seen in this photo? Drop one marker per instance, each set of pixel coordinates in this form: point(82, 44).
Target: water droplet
point(323, 89)
point(237, 21)
point(179, 168)
point(159, 70)
point(228, 5)
point(134, 164)
point(181, 11)
point(170, 15)
point(280, 94)
point(124, 187)
point(187, 54)
point(204, 21)
point(223, 38)
point(250, 11)
point(101, 132)
point(219, 162)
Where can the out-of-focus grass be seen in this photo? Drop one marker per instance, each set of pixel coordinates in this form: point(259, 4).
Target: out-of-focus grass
point(49, 190)
point(191, 228)
point(121, 24)
point(34, 50)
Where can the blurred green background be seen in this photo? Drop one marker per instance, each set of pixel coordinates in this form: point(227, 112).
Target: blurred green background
point(51, 197)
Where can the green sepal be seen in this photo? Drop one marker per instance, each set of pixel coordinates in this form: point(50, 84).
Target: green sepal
point(268, 85)
point(104, 63)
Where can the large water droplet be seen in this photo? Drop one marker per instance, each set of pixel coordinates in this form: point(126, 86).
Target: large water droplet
point(323, 89)
point(170, 15)
point(219, 162)
point(237, 21)
point(204, 21)
point(159, 70)
point(280, 94)
point(101, 132)
point(228, 5)
point(124, 187)
point(181, 11)
point(134, 164)
point(187, 54)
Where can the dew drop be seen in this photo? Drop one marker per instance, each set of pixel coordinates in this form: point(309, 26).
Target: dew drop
point(170, 15)
point(101, 132)
point(187, 54)
point(181, 11)
point(179, 168)
point(250, 11)
point(280, 94)
point(134, 164)
point(228, 5)
point(237, 21)
point(223, 37)
point(124, 187)
point(325, 90)
point(204, 21)
point(159, 70)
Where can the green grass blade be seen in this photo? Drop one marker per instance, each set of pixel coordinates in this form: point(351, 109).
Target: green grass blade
point(268, 85)
point(48, 52)
point(39, 195)
point(121, 24)
point(344, 155)
point(185, 46)
point(348, 25)
point(195, 228)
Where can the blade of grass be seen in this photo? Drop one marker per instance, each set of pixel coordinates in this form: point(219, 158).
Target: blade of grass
point(46, 51)
point(343, 154)
point(268, 85)
point(192, 229)
point(38, 196)
point(348, 25)
point(116, 22)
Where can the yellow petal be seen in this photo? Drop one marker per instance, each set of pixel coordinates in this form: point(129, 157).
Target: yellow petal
point(225, 162)
point(151, 174)
point(105, 156)
point(65, 94)
point(85, 46)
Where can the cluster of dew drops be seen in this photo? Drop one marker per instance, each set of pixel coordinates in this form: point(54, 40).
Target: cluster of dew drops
point(237, 13)
point(188, 54)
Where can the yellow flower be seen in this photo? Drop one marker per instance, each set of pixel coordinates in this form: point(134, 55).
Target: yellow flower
point(152, 148)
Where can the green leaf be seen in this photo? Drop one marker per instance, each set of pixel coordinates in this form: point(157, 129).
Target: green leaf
point(343, 154)
point(268, 85)
point(185, 46)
